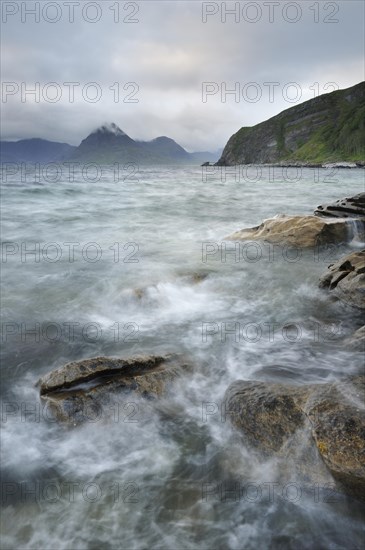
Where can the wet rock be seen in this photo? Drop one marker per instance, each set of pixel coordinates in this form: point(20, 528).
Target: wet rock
point(298, 231)
point(351, 207)
point(346, 279)
point(276, 418)
point(356, 342)
point(139, 293)
point(79, 391)
point(268, 414)
point(337, 417)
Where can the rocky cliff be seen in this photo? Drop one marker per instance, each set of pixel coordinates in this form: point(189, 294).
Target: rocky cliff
point(328, 128)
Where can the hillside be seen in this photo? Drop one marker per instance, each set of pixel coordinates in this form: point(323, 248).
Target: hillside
point(328, 128)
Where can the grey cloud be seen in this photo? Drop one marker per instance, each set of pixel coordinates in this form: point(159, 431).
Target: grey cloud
point(169, 53)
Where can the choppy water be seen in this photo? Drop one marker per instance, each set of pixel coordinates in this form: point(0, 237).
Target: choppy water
point(145, 272)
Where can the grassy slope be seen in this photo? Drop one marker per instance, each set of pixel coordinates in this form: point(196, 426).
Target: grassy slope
point(342, 137)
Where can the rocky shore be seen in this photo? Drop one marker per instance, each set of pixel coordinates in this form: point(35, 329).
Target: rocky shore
point(330, 417)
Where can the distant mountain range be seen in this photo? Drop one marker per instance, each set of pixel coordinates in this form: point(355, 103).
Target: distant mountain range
point(328, 128)
point(105, 145)
point(34, 150)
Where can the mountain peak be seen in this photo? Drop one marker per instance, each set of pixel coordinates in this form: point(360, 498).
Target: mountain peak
point(110, 128)
point(163, 138)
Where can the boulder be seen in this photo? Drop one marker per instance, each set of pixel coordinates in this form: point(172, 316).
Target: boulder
point(79, 391)
point(346, 279)
point(277, 418)
point(337, 417)
point(298, 231)
point(268, 414)
point(351, 207)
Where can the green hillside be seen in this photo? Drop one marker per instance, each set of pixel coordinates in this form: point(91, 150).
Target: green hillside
point(328, 128)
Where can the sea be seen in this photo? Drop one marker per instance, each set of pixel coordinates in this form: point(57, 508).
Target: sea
point(123, 261)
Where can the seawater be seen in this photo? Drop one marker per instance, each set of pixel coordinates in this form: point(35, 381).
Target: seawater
point(139, 266)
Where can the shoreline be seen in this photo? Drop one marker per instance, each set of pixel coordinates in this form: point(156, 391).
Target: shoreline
point(326, 165)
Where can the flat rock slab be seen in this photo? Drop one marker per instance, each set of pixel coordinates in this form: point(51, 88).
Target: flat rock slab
point(272, 415)
point(298, 231)
point(346, 279)
point(348, 207)
point(79, 391)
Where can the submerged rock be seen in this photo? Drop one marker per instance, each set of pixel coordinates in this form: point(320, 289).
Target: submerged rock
point(346, 279)
point(276, 418)
point(356, 342)
point(78, 391)
point(184, 278)
point(298, 231)
point(350, 207)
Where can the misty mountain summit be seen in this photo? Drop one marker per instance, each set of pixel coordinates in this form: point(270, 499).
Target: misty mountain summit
point(105, 144)
point(109, 128)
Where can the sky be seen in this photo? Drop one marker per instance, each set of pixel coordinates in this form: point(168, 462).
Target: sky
point(193, 71)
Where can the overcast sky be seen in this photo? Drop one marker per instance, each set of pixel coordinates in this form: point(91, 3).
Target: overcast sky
point(162, 53)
